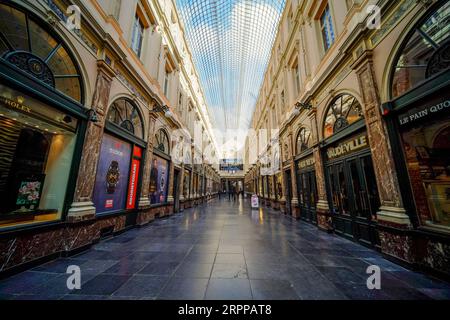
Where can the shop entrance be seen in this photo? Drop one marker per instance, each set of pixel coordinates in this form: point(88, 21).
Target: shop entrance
point(176, 188)
point(307, 195)
point(353, 198)
point(288, 192)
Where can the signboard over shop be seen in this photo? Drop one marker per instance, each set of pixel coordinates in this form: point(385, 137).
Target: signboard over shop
point(349, 146)
point(417, 114)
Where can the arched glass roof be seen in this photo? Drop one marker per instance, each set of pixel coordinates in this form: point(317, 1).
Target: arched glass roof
point(231, 41)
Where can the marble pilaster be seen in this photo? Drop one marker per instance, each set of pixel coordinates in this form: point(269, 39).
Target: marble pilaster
point(83, 208)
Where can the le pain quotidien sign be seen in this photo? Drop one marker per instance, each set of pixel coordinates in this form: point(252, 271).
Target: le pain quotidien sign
point(423, 112)
point(347, 147)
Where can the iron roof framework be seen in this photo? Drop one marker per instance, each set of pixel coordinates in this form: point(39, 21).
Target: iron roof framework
point(231, 41)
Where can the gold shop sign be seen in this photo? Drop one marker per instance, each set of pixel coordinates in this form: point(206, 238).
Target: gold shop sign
point(16, 104)
point(308, 162)
point(347, 147)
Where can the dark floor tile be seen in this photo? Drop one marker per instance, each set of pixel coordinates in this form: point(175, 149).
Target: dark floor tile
point(228, 289)
point(170, 257)
point(195, 257)
point(384, 264)
point(58, 265)
point(417, 280)
point(126, 267)
point(404, 293)
point(204, 248)
point(184, 289)
point(229, 271)
point(324, 260)
point(96, 266)
point(139, 286)
point(361, 292)
point(230, 249)
point(24, 282)
point(40, 297)
point(159, 268)
point(142, 256)
point(85, 297)
point(268, 271)
point(314, 286)
point(343, 275)
point(230, 258)
point(273, 290)
point(102, 285)
point(437, 294)
point(194, 270)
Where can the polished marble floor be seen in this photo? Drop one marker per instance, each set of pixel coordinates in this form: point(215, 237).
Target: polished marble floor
point(224, 250)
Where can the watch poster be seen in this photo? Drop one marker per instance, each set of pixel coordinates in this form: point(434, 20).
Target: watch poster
point(159, 178)
point(111, 182)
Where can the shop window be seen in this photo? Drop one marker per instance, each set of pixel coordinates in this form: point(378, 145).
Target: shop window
point(162, 141)
point(37, 143)
point(425, 52)
point(343, 111)
point(124, 114)
point(119, 163)
point(303, 139)
point(427, 153)
point(27, 45)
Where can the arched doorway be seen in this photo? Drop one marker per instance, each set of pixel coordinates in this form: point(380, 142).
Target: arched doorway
point(351, 185)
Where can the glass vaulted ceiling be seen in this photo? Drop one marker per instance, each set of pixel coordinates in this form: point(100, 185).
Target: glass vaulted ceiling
point(231, 42)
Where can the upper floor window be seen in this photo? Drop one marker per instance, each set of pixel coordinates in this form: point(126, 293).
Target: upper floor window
point(296, 75)
point(326, 26)
point(26, 44)
point(137, 36)
point(343, 111)
point(166, 82)
point(425, 52)
point(125, 114)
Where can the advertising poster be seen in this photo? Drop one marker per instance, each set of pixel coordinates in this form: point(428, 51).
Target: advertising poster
point(134, 177)
point(111, 182)
point(159, 177)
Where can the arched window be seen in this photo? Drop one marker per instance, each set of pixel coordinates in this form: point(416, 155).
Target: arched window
point(26, 44)
point(425, 53)
point(303, 138)
point(125, 114)
point(343, 111)
point(162, 141)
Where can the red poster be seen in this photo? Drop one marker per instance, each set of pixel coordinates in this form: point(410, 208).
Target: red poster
point(134, 175)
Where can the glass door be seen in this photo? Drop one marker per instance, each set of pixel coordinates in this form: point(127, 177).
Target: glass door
point(307, 190)
point(353, 198)
point(338, 198)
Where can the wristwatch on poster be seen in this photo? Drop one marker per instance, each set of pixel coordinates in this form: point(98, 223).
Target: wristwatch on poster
point(112, 177)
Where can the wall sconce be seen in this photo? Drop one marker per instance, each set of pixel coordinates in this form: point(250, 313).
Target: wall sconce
point(300, 106)
point(92, 115)
point(167, 113)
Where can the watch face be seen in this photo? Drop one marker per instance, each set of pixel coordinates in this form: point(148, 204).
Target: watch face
point(112, 177)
